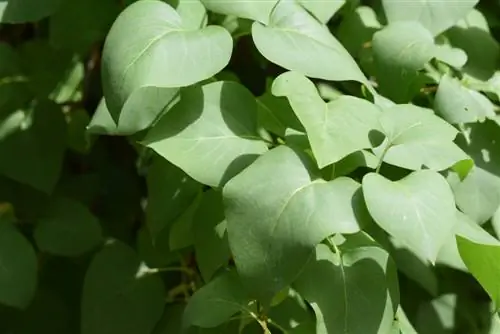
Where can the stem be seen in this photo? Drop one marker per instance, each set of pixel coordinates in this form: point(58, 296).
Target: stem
point(187, 271)
point(274, 324)
point(384, 152)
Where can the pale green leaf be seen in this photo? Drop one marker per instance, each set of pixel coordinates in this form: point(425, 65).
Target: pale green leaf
point(416, 137)
point(436, 16)
point(68, 229)
point(277, 209)
point(335, 129)
point(336, 286)
point(276, 115)
point(450, 55)
point(399, 51)
point(296, 41)
point(146, 36)
point(211, 133)
point(217, 301)
point(18, 267)
point(210, 235)
point(117, 297)
point(170, 193)
point(418, 210)
point(322, 10)
point(458, 104)
point(192, 12)
point(257, 10)
point(21, 11)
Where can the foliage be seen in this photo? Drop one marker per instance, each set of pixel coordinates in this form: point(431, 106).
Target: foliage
point(266, 166)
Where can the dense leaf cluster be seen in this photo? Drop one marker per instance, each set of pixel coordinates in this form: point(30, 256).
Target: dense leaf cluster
point(265, 166)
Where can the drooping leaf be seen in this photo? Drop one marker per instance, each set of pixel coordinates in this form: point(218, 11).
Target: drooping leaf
point(21, 11)
point(68, 229)
point(436, 16)
point(210, 235)
point(18, 269)
point(35, 152)
point(399, 51)
point(335, 129)
point(277, 209)
point(335, 285)
point(217, 301)
point(211, 133)
point(458, 104)
point(146, 36)
point(117, 297)
point(170, 193)
point(418, 210)
point(296, 41)
point(416, 137)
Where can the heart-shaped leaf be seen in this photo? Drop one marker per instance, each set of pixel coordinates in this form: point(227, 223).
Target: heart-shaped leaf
point(277, 209)
point(418, 210)
point(296, 41)
point(336, 287)
point(146, 36)
point(217, 120)
point(436, 16)
point(335, 129)
point(416, 137)
point(116, 290)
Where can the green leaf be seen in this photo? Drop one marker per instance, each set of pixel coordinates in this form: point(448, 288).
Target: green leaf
point(36, 152)
point(480, 254)
point(335, 285)
point(277, 209)
point(170, 193)
point(147, 35)
point(192, 12)
point(258, 10)
point(117, 297)
point(453, 56)
point(68, 229)
point(210, 235)
point(478, 195)
point(322, 10)
point(18, 269)
point(216, 302)
point(155, 253)
point(436, 16)
point(217, 120)
point(458, 104)
point(472, 34)
point(298, 42)
point(276, 115)
point(399, 51)
point(21, 11)
point(357, 28)
point(418, 210)
point(89, 20)
point(335, 129)
point(416, 137)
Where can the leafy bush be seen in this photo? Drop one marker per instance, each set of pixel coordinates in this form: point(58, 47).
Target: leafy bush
point(208, 166)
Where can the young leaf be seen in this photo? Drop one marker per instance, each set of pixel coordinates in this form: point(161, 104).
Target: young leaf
point(399, 51)
point(416, 137)
point(21, 11)
point(18, 269)
point(170, 193)
point(146, 36)
point(210, 235)
point(211, 134)
point(418, 210)
point(459, 104)
point(36, 152)
point(277, 210)
point(67, 229)
point(436, 16)
point(336, 287)
point(335, 129)
point(117, 297)
point(216, 302)
point(295, 40)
